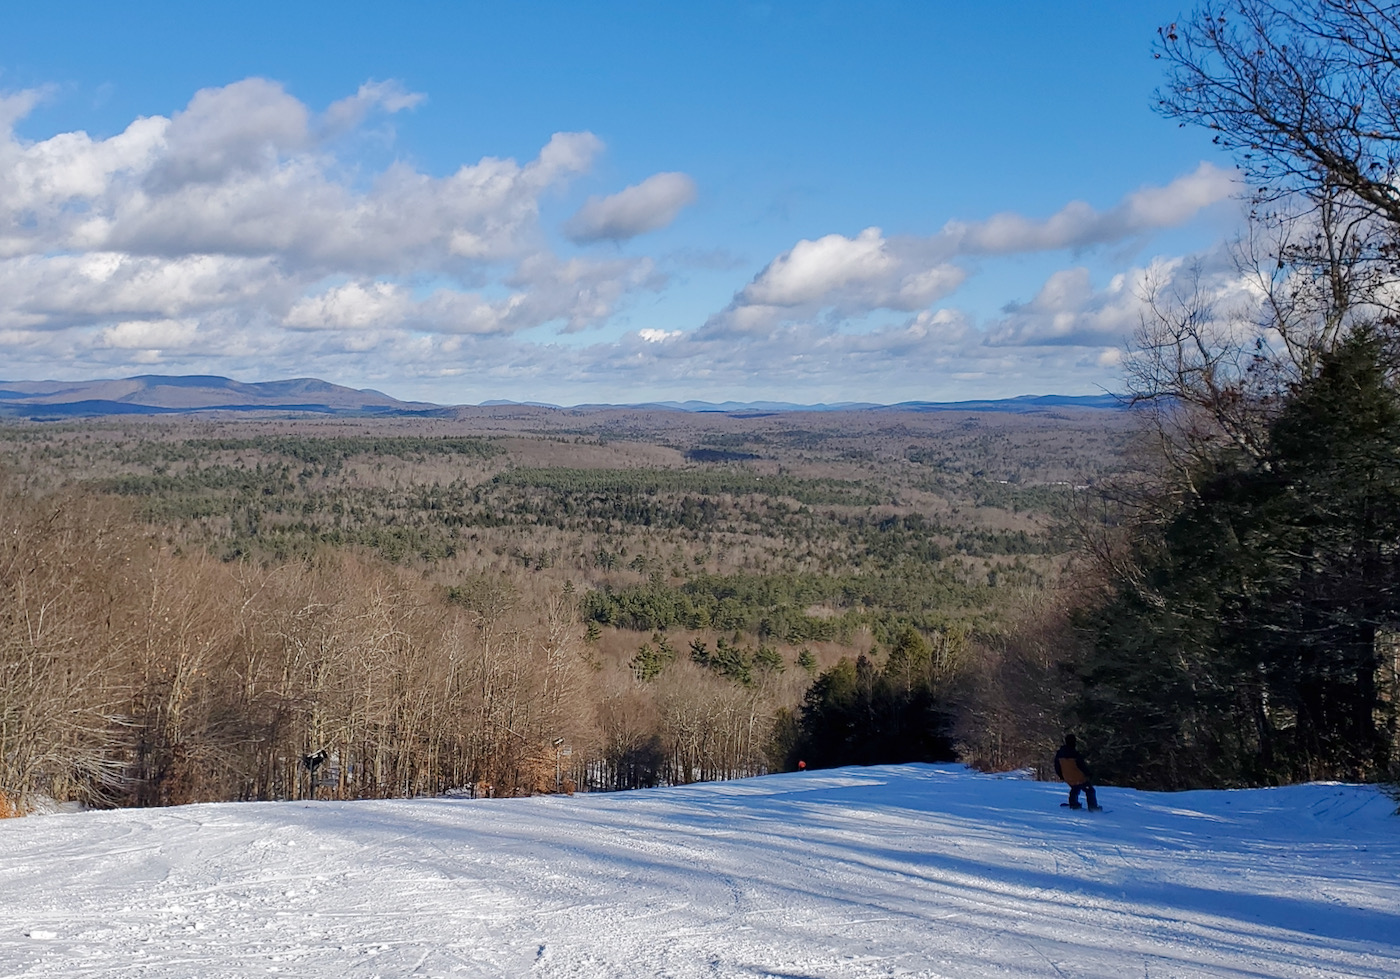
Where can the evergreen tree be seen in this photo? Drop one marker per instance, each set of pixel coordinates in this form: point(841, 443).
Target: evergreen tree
point(858, 714)
point(1251, 639)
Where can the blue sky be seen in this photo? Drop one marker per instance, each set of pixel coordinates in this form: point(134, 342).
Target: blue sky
point(595, 202)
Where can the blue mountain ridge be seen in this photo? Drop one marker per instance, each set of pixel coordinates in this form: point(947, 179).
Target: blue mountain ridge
point(155, 394)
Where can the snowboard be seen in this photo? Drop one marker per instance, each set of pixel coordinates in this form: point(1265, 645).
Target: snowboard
point(1066, 805)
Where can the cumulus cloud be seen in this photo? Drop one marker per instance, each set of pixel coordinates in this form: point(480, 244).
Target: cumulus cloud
point(230, 222)
point(576, 293)
point(867, 270)
point(579, 292)
point(1078, 225)
point(848, 277)
point(240, 172)
point(352, 306)
point(1069, 311)
point(647, 206)
point(149, 334)
point(225, 237)
point(65, 290)
point(246, 127)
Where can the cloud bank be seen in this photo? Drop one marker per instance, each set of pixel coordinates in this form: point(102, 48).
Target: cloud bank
point(227, 237)
point(230, 219)
point(850, 277)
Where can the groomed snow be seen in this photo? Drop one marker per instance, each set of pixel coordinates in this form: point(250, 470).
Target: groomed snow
point(913, 870)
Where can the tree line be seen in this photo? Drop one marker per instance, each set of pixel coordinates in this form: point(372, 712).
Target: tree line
point(1245, 623)
point(130, 675)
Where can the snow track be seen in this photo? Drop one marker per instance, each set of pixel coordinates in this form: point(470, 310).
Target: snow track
point(901, 871)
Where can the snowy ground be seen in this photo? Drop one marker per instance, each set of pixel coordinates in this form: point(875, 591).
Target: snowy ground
point(904, 871)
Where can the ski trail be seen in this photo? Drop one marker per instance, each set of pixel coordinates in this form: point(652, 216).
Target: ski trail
point(904, 871)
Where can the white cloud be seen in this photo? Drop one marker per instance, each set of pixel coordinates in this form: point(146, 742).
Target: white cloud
point(16, 105)
point(353, 306)
point(851, 277)
point(576, 294)
point(231, 221)
point(227, 238)
point(348, 113)
point(1068, 311)
point(812, 269)
point(647, 206)
point(1078, 225)
point(66, 290)
point(563, 156)
point(241, 171)
point(847, 275)
point(579, 292)
point(149, 334)
point(248, 126)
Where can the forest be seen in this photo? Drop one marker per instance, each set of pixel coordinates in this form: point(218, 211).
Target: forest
point(284, 607)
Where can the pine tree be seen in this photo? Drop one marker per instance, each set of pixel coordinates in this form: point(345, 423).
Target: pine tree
point(1252, 640)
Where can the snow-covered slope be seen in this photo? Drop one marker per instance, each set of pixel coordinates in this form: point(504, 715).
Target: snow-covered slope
point(904, 871)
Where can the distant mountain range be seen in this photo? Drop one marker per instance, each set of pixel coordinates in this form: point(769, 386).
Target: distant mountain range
point(155, 394)
point(1022, 404)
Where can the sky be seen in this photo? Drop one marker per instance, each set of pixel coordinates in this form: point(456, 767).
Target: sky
point(605, 202)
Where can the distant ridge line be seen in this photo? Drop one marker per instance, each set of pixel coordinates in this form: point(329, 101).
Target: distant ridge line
point(155, 394)
point(1020, 403)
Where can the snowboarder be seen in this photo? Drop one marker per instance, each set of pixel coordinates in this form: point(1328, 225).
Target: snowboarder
point(1070, 766)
